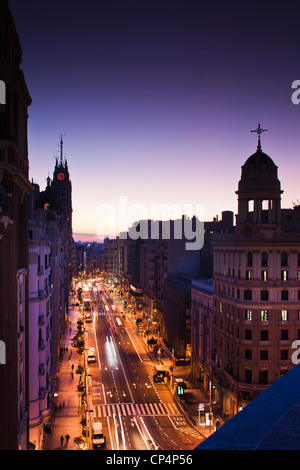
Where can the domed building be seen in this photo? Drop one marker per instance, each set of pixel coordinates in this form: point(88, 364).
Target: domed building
point(256, 290)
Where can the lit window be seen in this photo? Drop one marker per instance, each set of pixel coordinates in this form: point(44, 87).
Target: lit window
point(249, 315)
point(264, 275)
point(264, 315)
point(284, 315)
point(284, 275)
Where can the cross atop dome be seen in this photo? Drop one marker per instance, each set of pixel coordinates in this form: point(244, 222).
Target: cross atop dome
point(259, 131)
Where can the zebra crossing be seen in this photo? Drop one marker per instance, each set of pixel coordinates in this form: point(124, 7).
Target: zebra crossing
point(111, 313)
point(136, 409)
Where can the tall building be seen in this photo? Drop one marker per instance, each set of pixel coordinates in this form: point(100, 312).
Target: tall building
point(57, 198)
point(40, 326)
point(111, 257)
point(14, 193)
point(256, 292)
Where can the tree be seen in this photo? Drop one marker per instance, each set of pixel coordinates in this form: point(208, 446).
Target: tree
point(152, 341)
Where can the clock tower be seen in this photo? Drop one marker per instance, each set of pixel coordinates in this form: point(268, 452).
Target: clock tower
point(57, 199)
point(62, 187)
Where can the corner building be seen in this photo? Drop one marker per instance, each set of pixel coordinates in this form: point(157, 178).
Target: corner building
point(256, 289)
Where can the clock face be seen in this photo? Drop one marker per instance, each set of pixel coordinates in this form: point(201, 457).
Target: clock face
point(60, 176)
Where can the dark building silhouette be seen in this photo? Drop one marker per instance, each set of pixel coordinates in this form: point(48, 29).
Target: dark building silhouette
point(14, 193)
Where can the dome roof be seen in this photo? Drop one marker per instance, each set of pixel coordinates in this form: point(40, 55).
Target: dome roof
point(259, 172)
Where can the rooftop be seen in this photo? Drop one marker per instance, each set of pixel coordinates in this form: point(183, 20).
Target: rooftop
point(270, 422)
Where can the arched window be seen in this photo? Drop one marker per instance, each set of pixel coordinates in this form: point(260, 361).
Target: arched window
point(264, 259)
point(284, 259)
point(249, 259)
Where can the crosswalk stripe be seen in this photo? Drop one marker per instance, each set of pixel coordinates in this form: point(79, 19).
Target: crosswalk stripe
point(143, 409)
point(147, 409)
point(129, 409)
point(161, 408)
point(156, 408)
point(168, 407)
point(152, 409)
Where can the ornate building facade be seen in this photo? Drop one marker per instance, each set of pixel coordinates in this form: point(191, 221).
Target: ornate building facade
point(256, 289)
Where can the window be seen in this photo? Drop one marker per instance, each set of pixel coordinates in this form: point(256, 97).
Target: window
point(284, 259)
point(264, 315)
point(284, 295)
point(284, 315)
point(264, 259)
point(264, 295)
point(248, 354)
point(298, 275)
point(249, 275)
point(248, 376)
point(248, 315)
point(264, 275)
point(284, 335)
point(284, 275)
point(263, 377)
point(264, 335)
point(264, 355)
point(284, 354)
point(247, 294)
point(248, 334)
point(299, 259)
point(249, 259)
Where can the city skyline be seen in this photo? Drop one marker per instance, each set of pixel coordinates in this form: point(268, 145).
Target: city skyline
point(156, 101)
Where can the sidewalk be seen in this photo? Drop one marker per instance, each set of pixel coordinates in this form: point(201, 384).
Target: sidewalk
point(68, 411)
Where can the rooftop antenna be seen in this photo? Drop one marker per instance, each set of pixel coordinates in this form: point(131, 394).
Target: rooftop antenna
point(61, 144)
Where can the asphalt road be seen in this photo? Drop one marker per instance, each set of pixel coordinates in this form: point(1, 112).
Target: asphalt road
point(136, 413)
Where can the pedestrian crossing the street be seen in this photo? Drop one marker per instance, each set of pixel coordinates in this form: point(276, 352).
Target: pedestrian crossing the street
point(136, 409)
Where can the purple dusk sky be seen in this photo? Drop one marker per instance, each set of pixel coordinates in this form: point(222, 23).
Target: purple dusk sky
point(156, 99)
